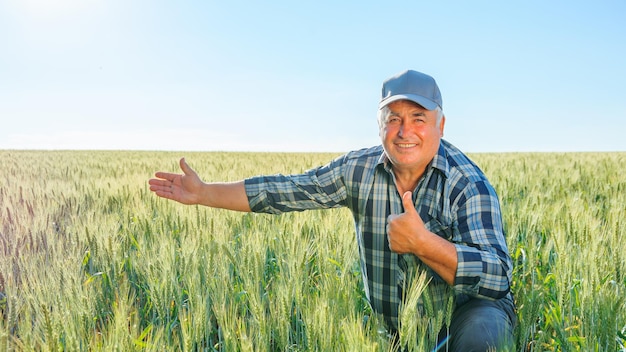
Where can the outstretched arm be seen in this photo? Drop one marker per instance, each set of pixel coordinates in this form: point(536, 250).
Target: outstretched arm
point(188, 188)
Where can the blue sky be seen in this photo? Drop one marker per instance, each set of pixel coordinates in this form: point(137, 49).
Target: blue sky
point(306, 75)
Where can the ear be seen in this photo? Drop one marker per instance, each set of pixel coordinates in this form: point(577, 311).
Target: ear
point(441, 125)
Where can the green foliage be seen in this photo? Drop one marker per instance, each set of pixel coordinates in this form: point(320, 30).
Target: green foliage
point(91, 260)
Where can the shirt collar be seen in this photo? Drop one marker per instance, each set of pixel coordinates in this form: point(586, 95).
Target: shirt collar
point(440, 161)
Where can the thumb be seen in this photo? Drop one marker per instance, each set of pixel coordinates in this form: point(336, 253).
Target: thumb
point(407, 202)
point(186, 168)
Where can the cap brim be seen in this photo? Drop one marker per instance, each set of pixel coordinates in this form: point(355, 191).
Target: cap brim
point(418, 99)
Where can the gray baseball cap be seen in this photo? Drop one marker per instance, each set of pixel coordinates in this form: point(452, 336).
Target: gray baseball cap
point(414, 86)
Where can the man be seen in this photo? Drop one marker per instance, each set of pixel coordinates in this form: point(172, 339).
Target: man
point(419, 204)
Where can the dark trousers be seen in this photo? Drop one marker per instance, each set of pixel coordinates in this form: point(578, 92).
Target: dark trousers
point(480, 325)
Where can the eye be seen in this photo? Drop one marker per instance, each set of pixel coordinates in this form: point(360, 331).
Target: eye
point(419, 117)
point(393, 119)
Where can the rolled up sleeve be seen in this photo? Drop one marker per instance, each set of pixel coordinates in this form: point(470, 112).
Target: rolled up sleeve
point(484, 267)
point(319, 188)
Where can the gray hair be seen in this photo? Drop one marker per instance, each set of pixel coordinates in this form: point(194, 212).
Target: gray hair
point(383, 114)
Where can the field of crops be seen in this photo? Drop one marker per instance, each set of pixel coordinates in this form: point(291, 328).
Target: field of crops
point(91, 260)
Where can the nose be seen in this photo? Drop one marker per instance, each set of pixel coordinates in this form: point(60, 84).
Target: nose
point(401, 129)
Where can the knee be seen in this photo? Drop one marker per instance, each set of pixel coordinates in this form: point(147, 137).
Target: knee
point(480, 328)
point(479, 335)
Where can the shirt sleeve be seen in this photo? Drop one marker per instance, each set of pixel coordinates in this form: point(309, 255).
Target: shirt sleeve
point(484, 266)
point(318, 188)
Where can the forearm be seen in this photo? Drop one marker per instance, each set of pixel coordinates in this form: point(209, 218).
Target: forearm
point(470, 270)
point(225, 195)
point(438, 254)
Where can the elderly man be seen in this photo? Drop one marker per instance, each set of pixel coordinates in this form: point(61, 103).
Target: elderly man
point(419, 205)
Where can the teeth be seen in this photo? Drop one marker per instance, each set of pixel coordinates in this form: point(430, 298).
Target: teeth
point(406, 145)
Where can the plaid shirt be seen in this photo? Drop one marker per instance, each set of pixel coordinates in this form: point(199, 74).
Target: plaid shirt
point(453, 198)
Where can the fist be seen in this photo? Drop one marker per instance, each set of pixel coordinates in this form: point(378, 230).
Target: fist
point(403, 229)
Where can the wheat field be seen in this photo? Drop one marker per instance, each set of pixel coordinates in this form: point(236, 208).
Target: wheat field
point(91, 260)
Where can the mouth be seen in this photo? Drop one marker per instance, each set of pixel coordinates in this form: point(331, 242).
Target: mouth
point(405, 145)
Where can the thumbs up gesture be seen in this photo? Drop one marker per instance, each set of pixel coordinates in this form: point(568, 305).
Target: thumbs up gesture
point(403, 229)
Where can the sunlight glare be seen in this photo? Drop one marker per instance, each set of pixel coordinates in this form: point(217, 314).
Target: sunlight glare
point(52, 10)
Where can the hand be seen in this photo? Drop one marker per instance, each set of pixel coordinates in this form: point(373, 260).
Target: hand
point(185, 188)
point(403, 229)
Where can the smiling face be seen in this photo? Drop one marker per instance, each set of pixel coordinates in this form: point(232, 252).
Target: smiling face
point(410, 136)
